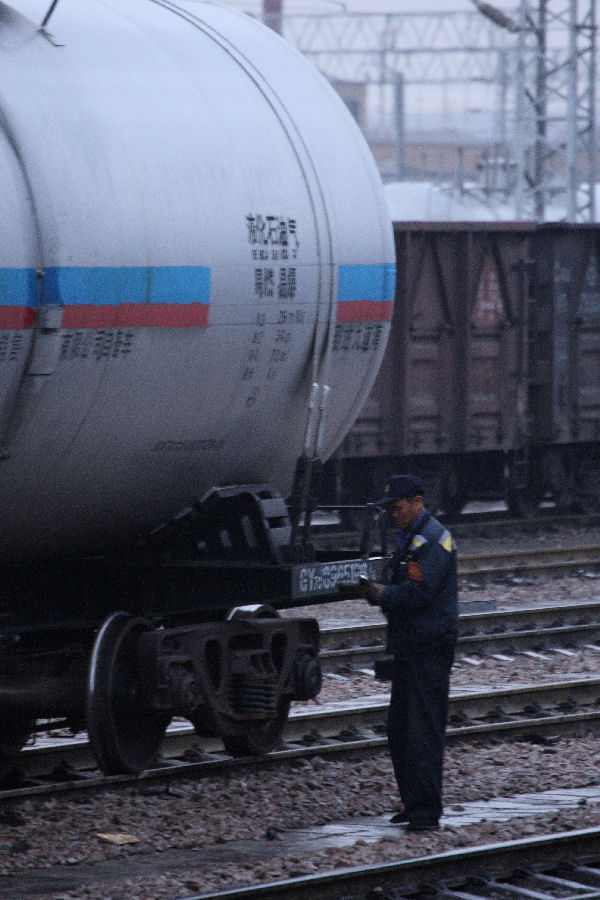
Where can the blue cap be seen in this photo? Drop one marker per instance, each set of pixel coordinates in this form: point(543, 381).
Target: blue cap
point(401, 487)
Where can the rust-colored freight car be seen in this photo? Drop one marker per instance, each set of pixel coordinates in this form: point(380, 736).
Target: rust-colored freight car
point(490, 386)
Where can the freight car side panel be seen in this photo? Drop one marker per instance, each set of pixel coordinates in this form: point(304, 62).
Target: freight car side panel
point(454, 378)
point(588, 351)
point(430, 334)
point(493, 337)
point(491, 381)
point(569, 364)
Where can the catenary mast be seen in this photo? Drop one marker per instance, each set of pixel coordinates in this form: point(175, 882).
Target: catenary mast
point(538, 57)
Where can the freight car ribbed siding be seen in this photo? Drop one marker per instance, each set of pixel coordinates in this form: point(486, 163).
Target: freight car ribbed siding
point(565, 361)
point(490, 386)
point(565, 331)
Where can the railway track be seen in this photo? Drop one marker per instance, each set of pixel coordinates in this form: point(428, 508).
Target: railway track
point(529, 711)
point(529, 561)
point(489, 524)
point(540, 868)
point(482, 633)
point(532, 711)
point(571, 705)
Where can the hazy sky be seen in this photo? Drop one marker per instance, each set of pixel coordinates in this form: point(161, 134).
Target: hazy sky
point(398, 6)
point(461, 100)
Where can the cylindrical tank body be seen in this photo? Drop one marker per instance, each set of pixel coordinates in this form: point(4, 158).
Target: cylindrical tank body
point(192, 234)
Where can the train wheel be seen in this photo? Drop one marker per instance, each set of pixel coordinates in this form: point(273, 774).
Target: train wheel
point(124, 735)
point(258, 739)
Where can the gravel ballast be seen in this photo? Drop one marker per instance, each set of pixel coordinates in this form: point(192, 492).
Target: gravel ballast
point(194, 815)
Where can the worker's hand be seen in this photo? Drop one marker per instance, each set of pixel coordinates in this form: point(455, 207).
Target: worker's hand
point(365, 589)
point(351, 589)
point(372, 591)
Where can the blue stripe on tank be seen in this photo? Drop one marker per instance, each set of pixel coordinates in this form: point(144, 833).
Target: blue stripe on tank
point(100, 285)
point(364, 282)
point(106, 285)
point(17, 287)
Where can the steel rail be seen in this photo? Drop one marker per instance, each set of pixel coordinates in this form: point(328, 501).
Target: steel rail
point(480, 644)
point(525, 617)
point(486, 565)
point(493, 714)
point(529, 711)
point(424, 876)
point(511, 700)
point(565, 558)
point(170, 767)
point(474, 624)
point(329, 535)
point(482, 633)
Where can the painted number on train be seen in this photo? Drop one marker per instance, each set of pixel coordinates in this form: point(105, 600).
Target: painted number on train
point(322, 578)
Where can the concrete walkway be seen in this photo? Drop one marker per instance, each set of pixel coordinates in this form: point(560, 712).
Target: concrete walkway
point(27, 885)
point(499, 809)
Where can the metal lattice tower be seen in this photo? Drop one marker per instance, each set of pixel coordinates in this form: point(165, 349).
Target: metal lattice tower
point(445, 48)
point(555, 108)
point(537, 63)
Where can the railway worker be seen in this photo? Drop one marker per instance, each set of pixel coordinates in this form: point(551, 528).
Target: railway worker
point(419, 597)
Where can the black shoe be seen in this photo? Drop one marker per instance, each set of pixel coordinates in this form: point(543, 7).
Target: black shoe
point(423, 825)
point(399, 818)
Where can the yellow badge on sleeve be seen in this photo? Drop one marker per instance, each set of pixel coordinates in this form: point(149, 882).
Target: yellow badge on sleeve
point(415, 572)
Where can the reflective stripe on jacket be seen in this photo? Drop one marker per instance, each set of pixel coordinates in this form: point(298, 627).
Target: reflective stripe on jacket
point(421, 597)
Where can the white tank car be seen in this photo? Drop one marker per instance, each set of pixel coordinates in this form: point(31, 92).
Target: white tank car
point(193, 234)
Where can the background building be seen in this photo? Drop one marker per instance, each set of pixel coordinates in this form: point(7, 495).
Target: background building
point(498, 101)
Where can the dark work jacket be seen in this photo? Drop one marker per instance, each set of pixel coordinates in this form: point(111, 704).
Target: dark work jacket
point(420, 600)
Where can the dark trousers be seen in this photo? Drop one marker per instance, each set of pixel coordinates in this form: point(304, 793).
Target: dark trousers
point(417, 727)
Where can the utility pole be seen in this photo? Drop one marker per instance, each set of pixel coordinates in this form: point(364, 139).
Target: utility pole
point(541, 153)
point(564, 104)
point(273, 14)
point(541, 59)
point(555, 89)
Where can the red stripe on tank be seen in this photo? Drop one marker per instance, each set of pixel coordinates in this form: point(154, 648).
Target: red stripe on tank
point(15, 318)
point(136, 315)
point(365, 311)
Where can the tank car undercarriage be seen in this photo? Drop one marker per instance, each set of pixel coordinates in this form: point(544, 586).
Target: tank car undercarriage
point(187, 626)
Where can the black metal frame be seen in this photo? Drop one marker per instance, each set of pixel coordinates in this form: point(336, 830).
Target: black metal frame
point(184, 573)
